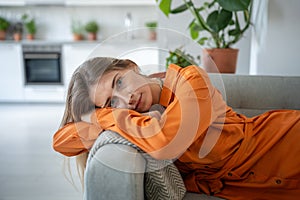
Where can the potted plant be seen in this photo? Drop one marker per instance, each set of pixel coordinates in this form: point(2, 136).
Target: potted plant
point(152, 25)
point(4, 24)
point(180, 58)
point(17, 31)
point(92, 28)
point(30, 26)
point(77, 30)
point(218, 25)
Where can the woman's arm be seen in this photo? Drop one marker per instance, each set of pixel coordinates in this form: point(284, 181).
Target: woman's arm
point(75, 138)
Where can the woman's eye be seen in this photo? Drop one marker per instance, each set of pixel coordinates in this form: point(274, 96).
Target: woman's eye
point(119, 82)
point(113, 102)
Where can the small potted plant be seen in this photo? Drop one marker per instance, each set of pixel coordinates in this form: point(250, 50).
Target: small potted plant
point(152, 25)
point(30, 26)
point(4, 24)
point(92, 29)
point(180, 58)
point(217, 25)
point(77, 30)
point(17, 31)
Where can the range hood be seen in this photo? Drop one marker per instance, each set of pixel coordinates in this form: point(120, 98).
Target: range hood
point(45, 2)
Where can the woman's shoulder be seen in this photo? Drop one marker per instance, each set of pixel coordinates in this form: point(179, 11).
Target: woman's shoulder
point(189, 71)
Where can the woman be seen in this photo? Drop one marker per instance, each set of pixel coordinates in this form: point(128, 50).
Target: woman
point(217, 151)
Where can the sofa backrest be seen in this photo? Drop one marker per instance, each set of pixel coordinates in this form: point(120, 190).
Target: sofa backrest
point(254, 94)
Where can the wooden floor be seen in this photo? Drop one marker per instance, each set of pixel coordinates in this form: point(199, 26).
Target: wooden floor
point(29, 168)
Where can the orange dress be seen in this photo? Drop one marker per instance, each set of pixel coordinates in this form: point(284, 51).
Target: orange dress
point(217, 151)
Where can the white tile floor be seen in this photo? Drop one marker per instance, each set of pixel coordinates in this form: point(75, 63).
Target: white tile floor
point(29, 168)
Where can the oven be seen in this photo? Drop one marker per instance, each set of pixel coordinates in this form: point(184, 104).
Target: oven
point(42, 64)
point(43, 72)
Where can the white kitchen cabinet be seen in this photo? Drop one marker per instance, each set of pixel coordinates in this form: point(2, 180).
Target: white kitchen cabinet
point(11, 68)
point(73, 56)
point(145, 57)
point(144, 54)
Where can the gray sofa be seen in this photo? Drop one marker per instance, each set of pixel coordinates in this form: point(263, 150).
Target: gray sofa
point(116, 171)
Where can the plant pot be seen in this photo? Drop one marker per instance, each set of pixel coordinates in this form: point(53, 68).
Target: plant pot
point(77, 37)
point(2, 35)
point(152, 35)
point(92, 36)
point(17, 36)
point(30, 37)
point(219, 60)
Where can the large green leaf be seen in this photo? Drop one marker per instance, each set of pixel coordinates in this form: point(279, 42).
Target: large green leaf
point(235, 5)
point(194, 30)
point(217, 21)
point(181, 8)
point(165, 6)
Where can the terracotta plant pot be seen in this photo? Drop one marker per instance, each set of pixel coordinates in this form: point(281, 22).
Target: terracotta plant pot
point(77, 37)
point(152, 35)
point(92, 36)
point(219, 60)
point(17, 36)
point(2, 35)
point(30, 37)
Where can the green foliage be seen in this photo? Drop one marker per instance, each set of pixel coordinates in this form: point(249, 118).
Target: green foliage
point(29, 23)
point(92, 27)
point(77, 27)
point(223, 21)
point(4, 24)
point(151, 25)
point(180, 58)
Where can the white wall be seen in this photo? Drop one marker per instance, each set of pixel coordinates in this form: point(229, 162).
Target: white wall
point(279, 54)
point(54, 22)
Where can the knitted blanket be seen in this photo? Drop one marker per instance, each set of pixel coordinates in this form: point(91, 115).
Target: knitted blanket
point(162, 179)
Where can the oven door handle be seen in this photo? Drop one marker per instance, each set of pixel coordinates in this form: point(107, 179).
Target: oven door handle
point(41, 56)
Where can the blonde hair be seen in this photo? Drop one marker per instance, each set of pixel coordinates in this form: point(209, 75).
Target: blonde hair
point(78, 100)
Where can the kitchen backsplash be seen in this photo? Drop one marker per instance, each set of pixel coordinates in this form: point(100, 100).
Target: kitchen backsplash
point(54, 22)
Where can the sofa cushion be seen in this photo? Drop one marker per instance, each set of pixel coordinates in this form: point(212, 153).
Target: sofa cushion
point(253, 95)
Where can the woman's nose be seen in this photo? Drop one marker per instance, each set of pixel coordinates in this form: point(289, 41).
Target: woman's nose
point(123, 99)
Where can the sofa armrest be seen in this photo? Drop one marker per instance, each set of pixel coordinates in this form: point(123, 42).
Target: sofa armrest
point(116, 171)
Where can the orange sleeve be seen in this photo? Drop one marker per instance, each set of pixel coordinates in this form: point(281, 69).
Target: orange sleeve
point(186, 117)
point(75, 138)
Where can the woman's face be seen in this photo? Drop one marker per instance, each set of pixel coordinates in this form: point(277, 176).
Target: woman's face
point(124, 89)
